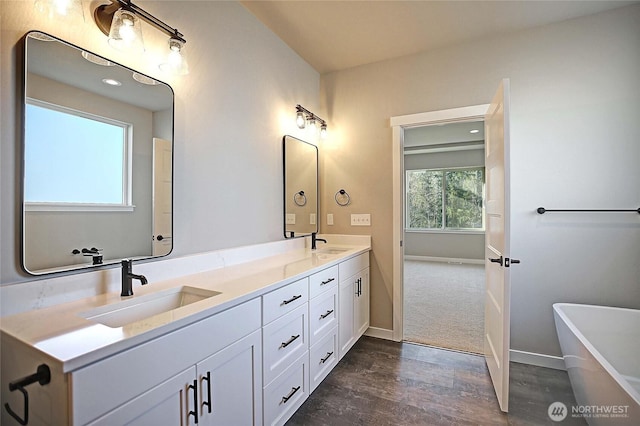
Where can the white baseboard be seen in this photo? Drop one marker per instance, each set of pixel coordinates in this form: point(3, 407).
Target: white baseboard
point(540, 360)
point(380, 333)
point(444, 259)
point(522, 357)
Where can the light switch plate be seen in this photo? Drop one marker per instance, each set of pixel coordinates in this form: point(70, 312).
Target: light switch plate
point(361, 220)
point(291, 218)
point(329, 218)
point(312, 218)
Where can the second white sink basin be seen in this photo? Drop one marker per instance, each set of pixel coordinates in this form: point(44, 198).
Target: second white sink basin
point(138, 308)
point(332, 250)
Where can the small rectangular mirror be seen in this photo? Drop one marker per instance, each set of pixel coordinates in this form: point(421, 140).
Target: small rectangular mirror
point(98, 160)
point(300, 187)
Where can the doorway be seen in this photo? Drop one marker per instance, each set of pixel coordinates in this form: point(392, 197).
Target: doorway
point(444, 235)
point(402, 125)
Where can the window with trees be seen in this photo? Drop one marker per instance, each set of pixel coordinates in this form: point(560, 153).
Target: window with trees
point(445, 199)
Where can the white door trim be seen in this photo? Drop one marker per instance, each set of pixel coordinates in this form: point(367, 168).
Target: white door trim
point(398, 124)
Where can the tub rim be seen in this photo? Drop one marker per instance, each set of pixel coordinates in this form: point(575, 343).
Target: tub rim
point(610, 369)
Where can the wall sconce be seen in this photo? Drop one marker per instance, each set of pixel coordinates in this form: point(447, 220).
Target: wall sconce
point(120, 20)
point(305, 117)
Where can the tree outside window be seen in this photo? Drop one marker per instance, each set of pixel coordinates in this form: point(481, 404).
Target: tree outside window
point(449, 199)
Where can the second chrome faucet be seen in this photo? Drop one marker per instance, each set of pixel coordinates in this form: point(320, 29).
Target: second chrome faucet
point(128, 276)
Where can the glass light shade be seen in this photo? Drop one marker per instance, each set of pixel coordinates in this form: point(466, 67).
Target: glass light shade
point(323, 131)
point(60, 9)
point(312, 125)
point(300, 121)
point(176, 61)
point(126, 32)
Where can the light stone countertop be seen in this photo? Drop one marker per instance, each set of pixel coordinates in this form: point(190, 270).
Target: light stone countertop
point(61, 334)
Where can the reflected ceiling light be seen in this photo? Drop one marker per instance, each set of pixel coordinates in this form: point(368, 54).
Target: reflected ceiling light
point(474, 131)
point(111, 82)
point(98, 60)
point(120, 20)
point(141, 78)
point(305, 117)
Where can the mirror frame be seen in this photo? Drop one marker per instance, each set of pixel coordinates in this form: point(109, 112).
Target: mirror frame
point(21, 172)
point(290, 234)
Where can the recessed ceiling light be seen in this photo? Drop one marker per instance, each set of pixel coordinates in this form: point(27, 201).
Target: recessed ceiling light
point(111, 82)
point(474, 131)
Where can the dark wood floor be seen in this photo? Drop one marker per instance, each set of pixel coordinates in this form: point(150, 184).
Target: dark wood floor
point(380, 382)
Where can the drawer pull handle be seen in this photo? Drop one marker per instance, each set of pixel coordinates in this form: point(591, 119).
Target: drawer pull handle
point(326, 315)
point(208, 402)
point(326, 357)
point(286, 302)
point(327, 281)
point(194, 413)
point(288, 397)
point(288, 342)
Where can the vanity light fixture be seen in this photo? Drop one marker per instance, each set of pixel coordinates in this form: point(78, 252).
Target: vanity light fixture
point(120, 20)
point(305, 117)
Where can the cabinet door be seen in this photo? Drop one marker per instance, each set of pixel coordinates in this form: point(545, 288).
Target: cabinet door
point(230, 391)
point(345, 324)
point(361, 307)
point(169, 403)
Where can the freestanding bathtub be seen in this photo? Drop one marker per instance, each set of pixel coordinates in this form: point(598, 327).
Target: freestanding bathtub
point(601, 349)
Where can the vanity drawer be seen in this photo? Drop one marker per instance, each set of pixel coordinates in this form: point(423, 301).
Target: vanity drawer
point(323, 315)
point(284, 299)
point(353, 266)
point(287, 393)
point(323, 356)
point(323, 281)
point(283, 341)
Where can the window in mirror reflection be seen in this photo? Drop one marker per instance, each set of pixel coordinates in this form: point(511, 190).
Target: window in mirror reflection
point(85, 166)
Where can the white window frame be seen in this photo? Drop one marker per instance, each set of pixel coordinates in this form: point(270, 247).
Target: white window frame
point(127, 169)
point(444, 229)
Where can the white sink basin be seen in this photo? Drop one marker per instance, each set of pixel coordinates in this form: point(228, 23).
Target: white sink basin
point(138, 308)
point(332, 250)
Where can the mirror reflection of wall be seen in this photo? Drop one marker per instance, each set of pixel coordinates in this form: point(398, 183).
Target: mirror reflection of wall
point(300, 187)
point(89, 166)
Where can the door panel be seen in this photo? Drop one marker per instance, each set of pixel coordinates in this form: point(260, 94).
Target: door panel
point(497, 287)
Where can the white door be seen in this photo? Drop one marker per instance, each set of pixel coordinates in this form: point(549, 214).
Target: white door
point(162, 215)
point(497, 262)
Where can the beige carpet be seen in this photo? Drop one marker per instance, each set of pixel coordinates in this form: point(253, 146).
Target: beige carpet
point(444, 305)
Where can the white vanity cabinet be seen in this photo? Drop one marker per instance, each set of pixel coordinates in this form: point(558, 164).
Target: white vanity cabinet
point(354, 301)
point(285, 341)
point(323, 324)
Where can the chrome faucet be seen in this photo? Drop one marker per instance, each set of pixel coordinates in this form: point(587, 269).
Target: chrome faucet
point(314, 239)
point(128, 277)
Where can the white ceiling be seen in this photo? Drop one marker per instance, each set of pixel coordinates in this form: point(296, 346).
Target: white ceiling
point(335, 35)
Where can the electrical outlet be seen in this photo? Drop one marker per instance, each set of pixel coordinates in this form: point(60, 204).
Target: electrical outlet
point(361, 220)
point(291, 218)
point(329, 218)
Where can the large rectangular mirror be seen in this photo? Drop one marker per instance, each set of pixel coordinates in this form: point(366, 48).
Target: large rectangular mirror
point(300, 187)
point(98, 160)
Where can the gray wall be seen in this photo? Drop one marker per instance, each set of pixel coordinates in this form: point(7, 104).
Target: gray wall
point(447, 244)
point(230, 115)
point(575, 143)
